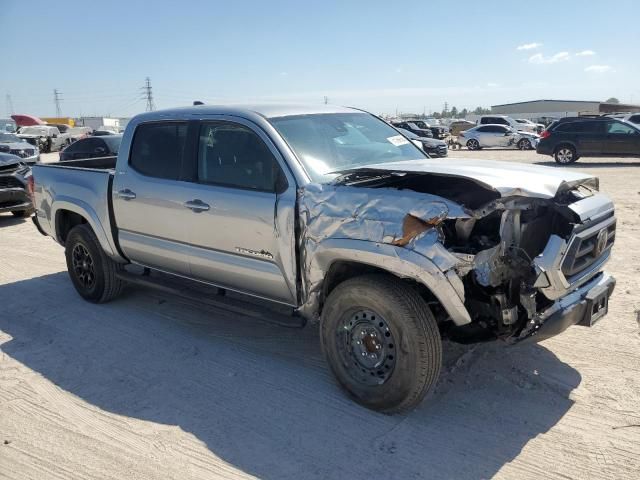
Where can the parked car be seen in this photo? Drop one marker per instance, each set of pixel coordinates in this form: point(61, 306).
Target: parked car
point(14, 174)
point(458, 126)
point(413, 128)
point(432, 146)
point(570, 138)
point(46, 137)
point(14, 145)
point(508, 121)
point(92, 147)
point(8, 125)
point(331, 211)
point(529, 126)
point(633, 118)
point(438, 131)
point(497, 136)
point(105, 130)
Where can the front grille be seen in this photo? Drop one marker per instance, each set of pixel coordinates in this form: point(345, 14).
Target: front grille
point(10, 182)
point(24, 153)
point(589, 244)
point(9, 168)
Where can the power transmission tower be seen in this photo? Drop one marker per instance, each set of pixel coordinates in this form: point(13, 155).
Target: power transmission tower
point(9, 103)
point(148, 95)
point(56, 99)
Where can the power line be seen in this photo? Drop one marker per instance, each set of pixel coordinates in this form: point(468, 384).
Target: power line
point(148, 95)
point(9, 103)
point(56, 99)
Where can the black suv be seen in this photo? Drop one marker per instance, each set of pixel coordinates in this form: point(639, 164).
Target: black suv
point(413, 127)
point(570, 138)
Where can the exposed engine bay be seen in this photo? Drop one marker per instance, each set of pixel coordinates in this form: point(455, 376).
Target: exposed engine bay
point(514, 255)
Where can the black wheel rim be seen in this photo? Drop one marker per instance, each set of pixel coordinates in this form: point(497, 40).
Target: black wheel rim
point(83, 266)
point(366, 347)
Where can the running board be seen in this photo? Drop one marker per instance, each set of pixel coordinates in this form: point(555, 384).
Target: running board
point(217, 300)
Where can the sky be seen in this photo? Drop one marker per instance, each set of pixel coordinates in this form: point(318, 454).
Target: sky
point(382, 56)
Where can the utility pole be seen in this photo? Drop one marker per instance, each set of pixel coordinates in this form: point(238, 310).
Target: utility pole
point(148, 95)
point(326, 99)
point(9, 103)
point(56, 99)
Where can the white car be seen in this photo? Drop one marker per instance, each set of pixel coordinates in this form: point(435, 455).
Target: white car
point(507, 121)
point(497, 136)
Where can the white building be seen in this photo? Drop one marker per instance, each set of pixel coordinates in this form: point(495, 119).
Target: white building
point(539, 109)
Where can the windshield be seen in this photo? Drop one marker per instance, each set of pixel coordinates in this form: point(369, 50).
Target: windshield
point(327, 143)
point(420, 124)
point(32, 131)
point(9, 138)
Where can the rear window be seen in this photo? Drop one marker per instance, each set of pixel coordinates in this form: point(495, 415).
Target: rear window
point(579, 127)
point(158, 149)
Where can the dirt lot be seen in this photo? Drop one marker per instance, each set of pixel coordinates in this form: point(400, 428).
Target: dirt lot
point(154, 387)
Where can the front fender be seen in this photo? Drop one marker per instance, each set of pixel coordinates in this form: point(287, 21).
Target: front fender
point(446, 286)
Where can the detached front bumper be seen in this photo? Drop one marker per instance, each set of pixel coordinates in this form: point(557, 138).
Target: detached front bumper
point(584, 306)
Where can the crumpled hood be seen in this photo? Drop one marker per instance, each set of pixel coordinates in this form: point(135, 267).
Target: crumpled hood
point(508, 179)
point(7, 159)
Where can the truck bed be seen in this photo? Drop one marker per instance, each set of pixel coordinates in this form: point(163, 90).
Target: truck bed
point(101, 163)
point(79, 186)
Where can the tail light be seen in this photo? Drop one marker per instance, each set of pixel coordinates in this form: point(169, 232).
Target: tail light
point(545, 134)
point(31, 189)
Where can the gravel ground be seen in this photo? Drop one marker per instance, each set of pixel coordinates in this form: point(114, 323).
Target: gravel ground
point(156, 387)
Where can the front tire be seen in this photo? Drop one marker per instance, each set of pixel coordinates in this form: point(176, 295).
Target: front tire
point(382, 342)
point(565, 154)
point(524, 144)
point(473, 144)
point(23, 213)
point(93, 273)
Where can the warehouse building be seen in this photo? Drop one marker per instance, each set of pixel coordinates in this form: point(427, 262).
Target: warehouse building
point(540, 109)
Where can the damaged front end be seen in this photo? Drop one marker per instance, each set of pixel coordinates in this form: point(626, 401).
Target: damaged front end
point(498, 266)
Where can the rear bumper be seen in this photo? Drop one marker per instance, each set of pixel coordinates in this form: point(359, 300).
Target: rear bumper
point(583, 306)
point(544, 148)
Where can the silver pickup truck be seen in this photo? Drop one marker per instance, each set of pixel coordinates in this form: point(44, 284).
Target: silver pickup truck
point(335, 214)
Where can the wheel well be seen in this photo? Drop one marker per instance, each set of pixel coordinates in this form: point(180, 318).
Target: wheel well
point(341, 271)
point(65, 221)
point(564, 144)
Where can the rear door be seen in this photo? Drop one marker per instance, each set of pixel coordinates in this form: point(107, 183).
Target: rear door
point(241, 231)
point(149, 198)
point(621, 139)
point(587, 135)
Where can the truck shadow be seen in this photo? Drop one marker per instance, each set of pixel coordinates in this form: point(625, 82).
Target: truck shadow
point(260, 396)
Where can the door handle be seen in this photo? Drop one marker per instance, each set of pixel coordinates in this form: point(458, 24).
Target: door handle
point(196, 206)
point(126, 194)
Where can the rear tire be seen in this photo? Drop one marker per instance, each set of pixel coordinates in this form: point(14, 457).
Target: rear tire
point(93, 273)
point(565, 154)
point(382, 342)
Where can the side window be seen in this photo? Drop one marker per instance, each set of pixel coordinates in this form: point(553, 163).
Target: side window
point(484, 129)
point(158, 149)
point(502, 121)
point(634, 118)
point(90, 144)
point(620, 128)
point(235, 156)
point(485, 120)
